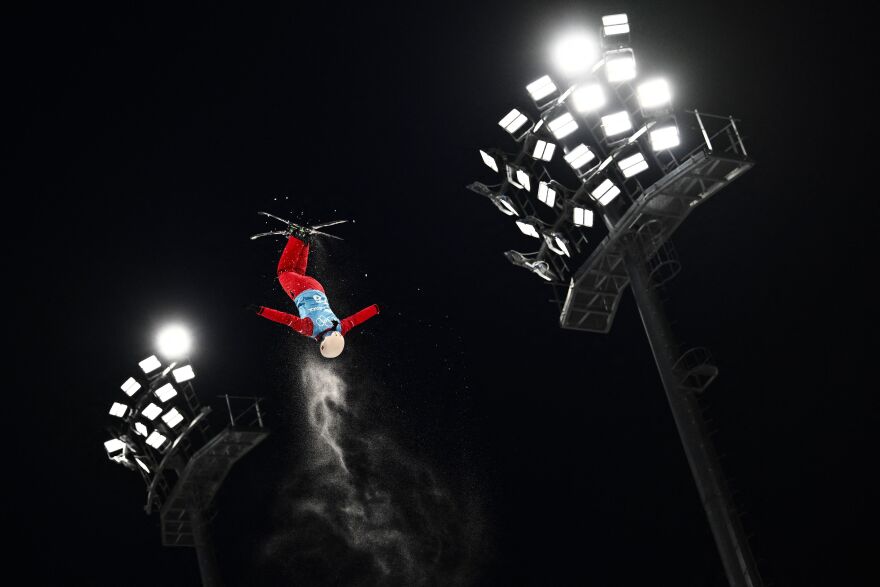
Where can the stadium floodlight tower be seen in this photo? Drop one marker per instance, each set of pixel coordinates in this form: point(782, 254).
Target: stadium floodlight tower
point(621, 141)
point(161, 430)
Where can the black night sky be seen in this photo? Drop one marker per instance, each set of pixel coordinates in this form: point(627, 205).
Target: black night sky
point(143, 140)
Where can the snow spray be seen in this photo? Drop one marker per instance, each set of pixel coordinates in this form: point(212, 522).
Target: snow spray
point(359, 510)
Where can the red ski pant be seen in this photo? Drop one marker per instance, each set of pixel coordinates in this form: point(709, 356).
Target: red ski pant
point(292, 268)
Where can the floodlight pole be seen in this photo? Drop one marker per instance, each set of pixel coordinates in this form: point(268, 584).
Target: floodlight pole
point(204, 545)
point(730, 537)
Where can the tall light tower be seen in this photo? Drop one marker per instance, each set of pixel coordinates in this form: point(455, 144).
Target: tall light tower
point(161, 431)
point(623, 145)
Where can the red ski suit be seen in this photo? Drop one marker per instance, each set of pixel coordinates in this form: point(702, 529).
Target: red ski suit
point(291, 275)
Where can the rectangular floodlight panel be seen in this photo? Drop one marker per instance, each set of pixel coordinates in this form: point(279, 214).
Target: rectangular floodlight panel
point(114, 445)
point(151, 411)
point(512, 176)
point(606, 192)
point(150, 364)
point(172, 417)
point(615, 24)
point(527, 228)
point(156, 439)
point(141, 429)
point(654, 94)
point(588, 98)
point(119, 410)
point(556, 244)
point(579, 156)
point(617, 123)
point(504, 204)
point(489, 160)
point(583, 217)
point(513, 121)
point(620, 66)
point(544, 150)
point(142, 465)
point(632, 165)
point(562, 125)
point(541, 88)
point(184, 373)
point(130, 386)
point(664, 138)
point(546, 193)
point(523, 178)
point(166, 392)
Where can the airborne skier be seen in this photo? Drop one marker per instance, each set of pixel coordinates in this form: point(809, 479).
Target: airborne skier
point(316, 319)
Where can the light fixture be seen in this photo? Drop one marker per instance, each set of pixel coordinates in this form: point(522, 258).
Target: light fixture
point(114, 446)
point(149, 365)
point(541, 89)
point(173, 341)
point(172, 417)
point(582, 217)
point(513, 123)
point(156, 439)
point(489, 160)
point(142, 465)
point(605, 192)
point(184, 373)
point(151, 411)
point(543, 150)
point(664, 137)
point(575, 53)
point(539, 268)
point(617, 123)
point(141, 429)
point(654, 95)
point(579, 156)
point(620, 65)
point(563, 125)
point(130, 386)
point(556, 243)
point(166, 392)
point(528, 228)
point(505, 204)
point(615, 24)
point(523, 180)
point(546, 193)
point(588, 98)
point(119, 410)
point(632, 165)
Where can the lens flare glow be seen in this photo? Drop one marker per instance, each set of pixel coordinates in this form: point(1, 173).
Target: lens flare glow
point(575, 53)
point(174, 341)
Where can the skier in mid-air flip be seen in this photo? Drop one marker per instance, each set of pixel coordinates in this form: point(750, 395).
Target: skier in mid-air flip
point(316, 319)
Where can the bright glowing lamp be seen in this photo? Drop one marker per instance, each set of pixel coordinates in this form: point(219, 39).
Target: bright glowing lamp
point(605, 192)
point(142, 465)
point(130, 386)
point(151, 411)
point(556, 243)
point(579, 156)
point(149, 365)
point(563, 125)
point(505, 204)
point(119, 410)
point(615, 24)
point(575, 53)
point(513, 123)
point(528, 228)
point(654, 94)
point(617, 123)
point(588, 98)
point(172, 417)
point(184, 373)
point(489, 160)
point(665, 137)
point(543, 150)
point(620, 66)
point(156, 439)
point(174, 341)
point(541, 88)
point(632, 165)
point(166, 392)
point(582, 217)
point(524, 180)
point(141, 429)
point(546, 193)
point(114, 446)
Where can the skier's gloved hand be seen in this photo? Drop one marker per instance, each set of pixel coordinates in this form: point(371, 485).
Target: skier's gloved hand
point(253, 308)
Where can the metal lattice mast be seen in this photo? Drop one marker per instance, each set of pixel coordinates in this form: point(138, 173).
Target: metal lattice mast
point(631, 177)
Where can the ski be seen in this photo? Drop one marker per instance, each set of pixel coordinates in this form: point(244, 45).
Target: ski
point(309, 229)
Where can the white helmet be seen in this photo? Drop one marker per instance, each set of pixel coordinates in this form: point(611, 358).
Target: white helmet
point(332, 345)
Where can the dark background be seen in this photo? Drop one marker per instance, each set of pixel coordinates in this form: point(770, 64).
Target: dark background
point(142, 141)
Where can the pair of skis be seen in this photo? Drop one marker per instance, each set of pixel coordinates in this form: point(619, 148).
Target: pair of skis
point(294, 227)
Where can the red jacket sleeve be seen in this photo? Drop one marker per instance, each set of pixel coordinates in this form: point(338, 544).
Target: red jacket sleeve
point(359, 318)
point(301, 325)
